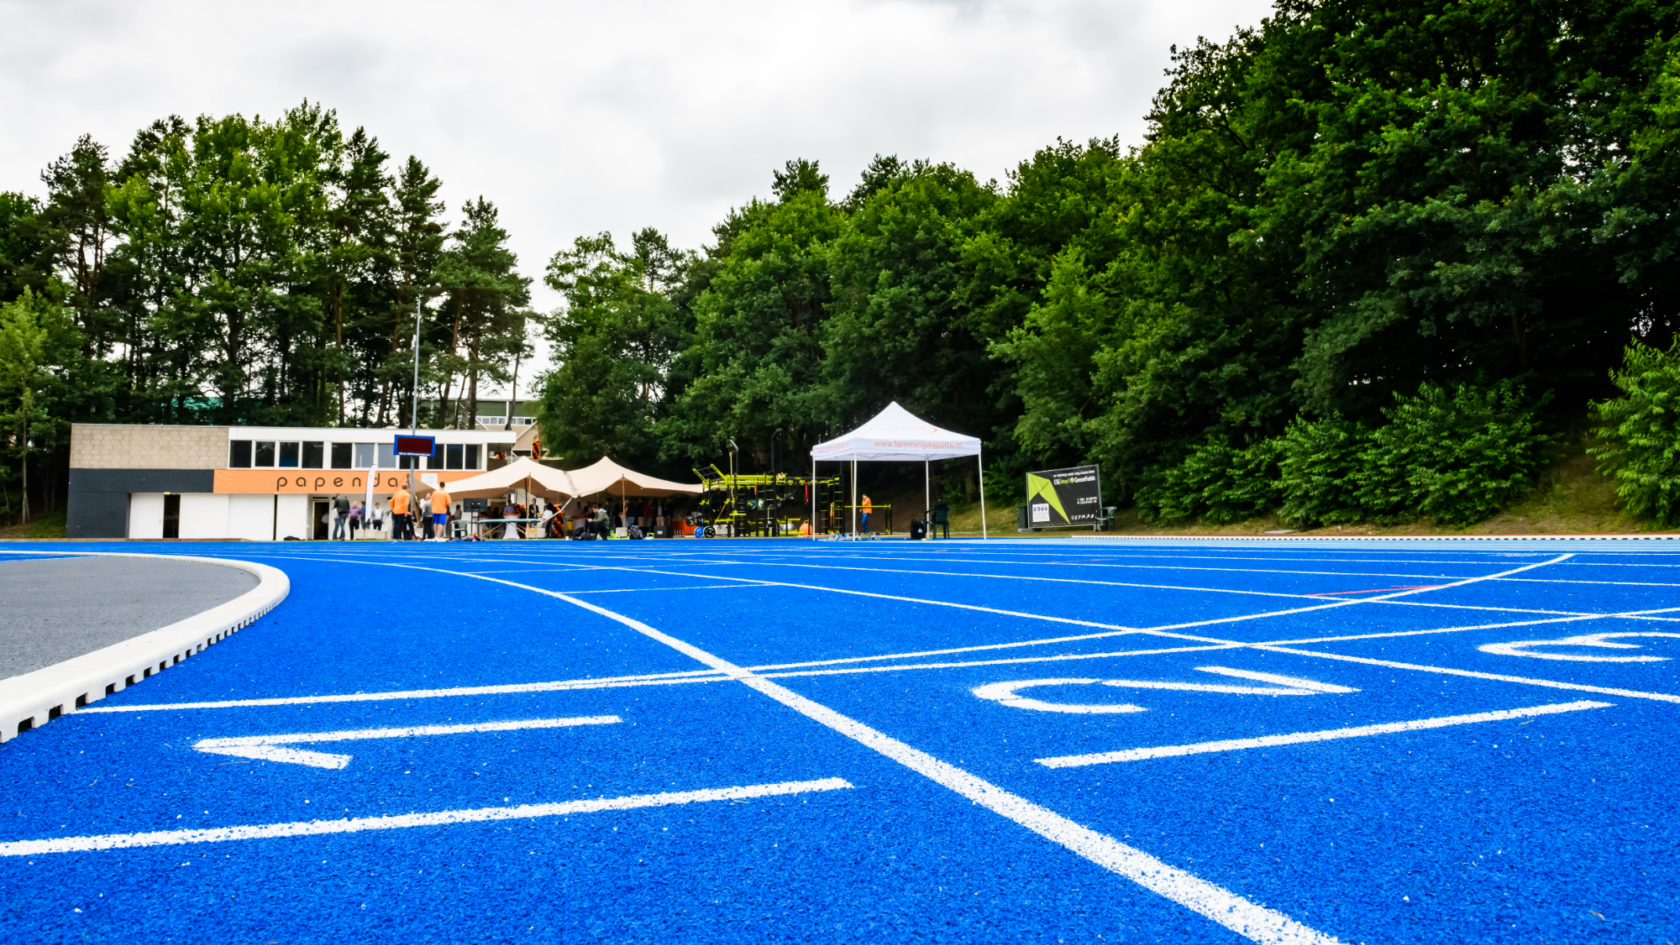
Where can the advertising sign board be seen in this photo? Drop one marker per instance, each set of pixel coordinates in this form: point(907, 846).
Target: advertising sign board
point(1061, 497)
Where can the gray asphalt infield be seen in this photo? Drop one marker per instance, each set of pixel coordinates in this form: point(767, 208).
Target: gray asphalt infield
point(54, 609)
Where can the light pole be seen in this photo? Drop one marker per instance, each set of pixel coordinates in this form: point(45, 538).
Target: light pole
point(732, 450)
point(414, 407)
point(775, 486)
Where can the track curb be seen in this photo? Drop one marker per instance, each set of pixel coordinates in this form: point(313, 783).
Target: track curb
point(33, 699)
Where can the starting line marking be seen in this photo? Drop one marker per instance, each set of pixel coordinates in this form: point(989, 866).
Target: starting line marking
point(308, 828)
point(1267, 741)
point(266, 747)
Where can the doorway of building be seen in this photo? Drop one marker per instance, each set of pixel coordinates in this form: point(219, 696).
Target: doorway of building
point(172, 516)
point(320, 519)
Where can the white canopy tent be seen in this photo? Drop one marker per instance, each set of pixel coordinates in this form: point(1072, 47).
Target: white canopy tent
point(896, 435)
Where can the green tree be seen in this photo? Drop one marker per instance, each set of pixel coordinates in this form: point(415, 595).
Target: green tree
point(614, 343)
point(485, 308)
point(25, 261)
point(901, 326)
point(23, 340)
point(756, 356)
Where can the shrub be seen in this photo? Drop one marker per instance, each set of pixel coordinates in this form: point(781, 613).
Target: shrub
point(1320, 464)
point(1639, 433)
point(1216, 482)
point(1454, 458)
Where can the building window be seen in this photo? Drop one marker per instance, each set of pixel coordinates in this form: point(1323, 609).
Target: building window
point(239, 454)
point(472, 456)
point(453, 453)
point(408, 462)
point(435, 461)
point(289, 455)
point(388, 456)
point(265, 454)
point(314, 455)
point(341, 455)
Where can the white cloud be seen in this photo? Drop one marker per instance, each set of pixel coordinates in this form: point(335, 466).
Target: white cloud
point(580, 117)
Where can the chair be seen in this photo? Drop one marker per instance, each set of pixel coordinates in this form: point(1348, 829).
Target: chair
point(937, 519)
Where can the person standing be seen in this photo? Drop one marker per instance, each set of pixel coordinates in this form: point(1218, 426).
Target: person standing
point(866, 506)
point(341, 517)
point(440, 513)
point(355, 518)
point(400, 501)
point(548, 520)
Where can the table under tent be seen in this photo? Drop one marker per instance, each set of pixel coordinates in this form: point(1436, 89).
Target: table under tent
point(896, 435)
point(608, 478)
point(605, 478)
point(522, 475)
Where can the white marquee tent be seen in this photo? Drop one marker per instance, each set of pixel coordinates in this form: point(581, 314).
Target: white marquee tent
point(896, 435)
point(522, 474)
point(613, 479)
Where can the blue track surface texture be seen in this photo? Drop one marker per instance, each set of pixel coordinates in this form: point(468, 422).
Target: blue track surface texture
point(1023, 741)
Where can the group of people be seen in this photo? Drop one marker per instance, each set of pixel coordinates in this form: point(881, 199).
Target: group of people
point(347, 516)
point(427, 517)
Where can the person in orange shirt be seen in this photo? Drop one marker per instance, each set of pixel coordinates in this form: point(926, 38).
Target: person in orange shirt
point(401, 529)
point(866, 506)
point(440, 513)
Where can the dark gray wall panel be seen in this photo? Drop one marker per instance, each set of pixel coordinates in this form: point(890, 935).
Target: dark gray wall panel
point(98, 499)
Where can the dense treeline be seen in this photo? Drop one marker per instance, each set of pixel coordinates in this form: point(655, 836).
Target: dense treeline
point(1370, 259)
point(1447, 215)
point(233, 270)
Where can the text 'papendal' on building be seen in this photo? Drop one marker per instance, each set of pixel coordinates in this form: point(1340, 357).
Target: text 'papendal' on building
point(256, 483)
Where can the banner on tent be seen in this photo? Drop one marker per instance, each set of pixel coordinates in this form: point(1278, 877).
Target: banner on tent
point(1057, 497)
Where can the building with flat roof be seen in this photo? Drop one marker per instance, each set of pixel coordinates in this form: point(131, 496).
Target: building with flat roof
point(257, 483)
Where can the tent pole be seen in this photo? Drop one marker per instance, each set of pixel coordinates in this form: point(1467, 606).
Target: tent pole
point(927, 488)
point(982, 464)
point(813, 498)
point(854, 499)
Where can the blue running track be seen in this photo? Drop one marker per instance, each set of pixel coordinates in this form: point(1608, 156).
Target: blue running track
point(792, 741)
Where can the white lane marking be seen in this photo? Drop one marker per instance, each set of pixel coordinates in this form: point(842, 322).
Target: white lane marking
point(312, 828)
point(1330, 605)
point(1521, 648)
point(1222, 906)
point(1470, 674)
point(264, 747)
point(1293, 682)
point(697, 587)
point(606, 682)
point(1269, 741)
point(1006, 693)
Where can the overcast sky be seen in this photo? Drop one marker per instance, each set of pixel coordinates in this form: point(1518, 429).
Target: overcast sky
point(575, 118)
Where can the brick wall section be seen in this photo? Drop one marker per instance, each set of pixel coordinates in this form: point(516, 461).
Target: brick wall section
point(136, 446)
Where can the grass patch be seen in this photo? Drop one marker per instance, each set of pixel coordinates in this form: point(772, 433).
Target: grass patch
point(50, 526)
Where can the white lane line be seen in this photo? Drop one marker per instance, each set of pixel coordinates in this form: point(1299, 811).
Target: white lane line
point(1222, 906)
point(312, 828)
point(1017, 661)
point(1469, 674)
point(608, 682)
point(1091, 564)
point(266, 747)
point(697, 587)
point(1269, 741)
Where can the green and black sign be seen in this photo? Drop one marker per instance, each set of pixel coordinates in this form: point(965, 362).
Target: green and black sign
point(1058, 497)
